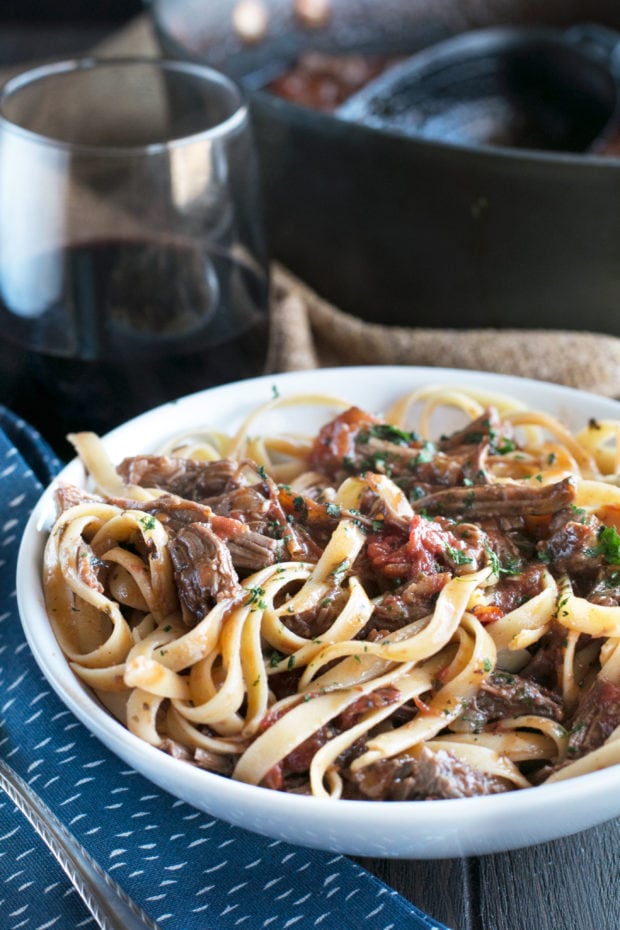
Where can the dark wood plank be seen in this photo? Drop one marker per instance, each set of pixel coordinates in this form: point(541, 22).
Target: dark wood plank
point(571, 883)
point(439, 887)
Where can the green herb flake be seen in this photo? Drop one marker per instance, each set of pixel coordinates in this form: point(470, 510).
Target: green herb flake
point(275, 658)
point(425, 454)
point(255, 598)
point(300, 506)
point(609, 544)
point(506, 446)
point(458, 557)
point(332, 510)
point(579, 513)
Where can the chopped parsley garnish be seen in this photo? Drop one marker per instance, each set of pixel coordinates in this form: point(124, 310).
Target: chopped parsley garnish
point(469, 498)
point(388, 433)
point(505, 446)
point(147, 523)
point(275, 659)
point(300, 506)
point(608, 545)
point(378, 461)
point(332, 510)
point(425, 454)
point(511, 566)
point(255, 598)
point(458, 557)
point(579, 513)
point(612, 580)
point(341, 567)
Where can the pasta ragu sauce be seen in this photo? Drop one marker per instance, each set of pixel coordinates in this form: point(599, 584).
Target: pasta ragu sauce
point(372, 614)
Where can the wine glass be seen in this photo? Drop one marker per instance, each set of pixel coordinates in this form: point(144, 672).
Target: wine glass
point(133, 267)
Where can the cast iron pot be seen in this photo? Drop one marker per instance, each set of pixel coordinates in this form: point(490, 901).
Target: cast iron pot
point(412, 231)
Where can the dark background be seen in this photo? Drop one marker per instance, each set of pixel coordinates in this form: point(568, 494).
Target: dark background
point(59, 10)
point(31, 29)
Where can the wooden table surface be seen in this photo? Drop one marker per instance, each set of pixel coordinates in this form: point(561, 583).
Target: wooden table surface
point(570, 884)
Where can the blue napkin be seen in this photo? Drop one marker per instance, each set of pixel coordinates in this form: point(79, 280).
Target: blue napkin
point(186, 869)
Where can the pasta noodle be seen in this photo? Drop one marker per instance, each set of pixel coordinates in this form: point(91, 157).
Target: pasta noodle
point(373, 612)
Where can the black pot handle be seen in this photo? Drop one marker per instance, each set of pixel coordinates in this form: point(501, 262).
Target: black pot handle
point(598, 43)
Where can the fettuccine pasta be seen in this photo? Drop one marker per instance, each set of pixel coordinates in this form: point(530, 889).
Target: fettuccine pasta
point(374, 612)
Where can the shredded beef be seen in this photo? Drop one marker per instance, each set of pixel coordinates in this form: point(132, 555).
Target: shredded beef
point(173, 512)
point(211, 761)
point(606, 588)
point(544, 667)
point(513, 590)
point(314, 622)
point(431, 776)
point(246, 503)
point(67, 496)
point(251, 551)
point(499, 500)
point(572, 546)
point(193, 480)
point(504, 695)
point(410, 603)
point(596, 717)
point(203, 570)
point(487, 426)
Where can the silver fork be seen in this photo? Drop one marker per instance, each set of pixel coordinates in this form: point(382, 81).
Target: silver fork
point(111, 907)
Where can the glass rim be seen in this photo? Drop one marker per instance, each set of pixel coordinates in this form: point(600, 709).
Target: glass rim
point(225, 127)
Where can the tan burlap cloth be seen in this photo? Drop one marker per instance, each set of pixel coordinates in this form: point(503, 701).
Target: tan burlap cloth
point(308, 332)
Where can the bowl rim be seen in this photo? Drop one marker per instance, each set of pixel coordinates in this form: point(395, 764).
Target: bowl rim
point(489, 813)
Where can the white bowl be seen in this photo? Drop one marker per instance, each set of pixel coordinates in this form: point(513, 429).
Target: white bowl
point(409, 829)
